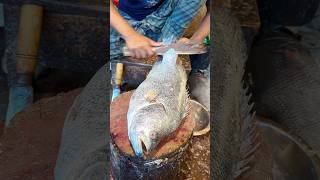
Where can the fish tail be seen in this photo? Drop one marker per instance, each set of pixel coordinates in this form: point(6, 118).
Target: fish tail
point(187, 103)
point(170, 57)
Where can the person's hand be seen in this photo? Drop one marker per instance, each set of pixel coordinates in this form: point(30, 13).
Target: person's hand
point(190, 41)
point(140, 46)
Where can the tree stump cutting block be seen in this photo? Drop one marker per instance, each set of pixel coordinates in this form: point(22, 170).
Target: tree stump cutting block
point(163, 163)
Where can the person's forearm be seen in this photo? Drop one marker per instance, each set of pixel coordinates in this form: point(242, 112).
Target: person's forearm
point(119, 23)
point(203, 30)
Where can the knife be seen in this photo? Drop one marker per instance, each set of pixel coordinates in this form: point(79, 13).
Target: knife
point(180, 48)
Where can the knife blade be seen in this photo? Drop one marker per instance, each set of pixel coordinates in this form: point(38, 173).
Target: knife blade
point(180, 48)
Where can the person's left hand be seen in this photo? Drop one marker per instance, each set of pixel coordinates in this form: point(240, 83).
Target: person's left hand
point(189, 41)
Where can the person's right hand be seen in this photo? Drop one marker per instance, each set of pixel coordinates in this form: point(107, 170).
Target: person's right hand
point(140, 46)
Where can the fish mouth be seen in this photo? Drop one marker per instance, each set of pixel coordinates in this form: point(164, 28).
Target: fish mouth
point(140, 145)
point(143, 147)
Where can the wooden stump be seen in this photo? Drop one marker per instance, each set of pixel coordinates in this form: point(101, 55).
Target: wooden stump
point(163, 163)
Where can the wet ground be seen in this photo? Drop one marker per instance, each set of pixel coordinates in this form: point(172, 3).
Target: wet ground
point(197, 163)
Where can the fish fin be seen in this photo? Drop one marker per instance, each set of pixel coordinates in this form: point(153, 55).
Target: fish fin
point(147, 107)
point(249, 136)
point(187, 104)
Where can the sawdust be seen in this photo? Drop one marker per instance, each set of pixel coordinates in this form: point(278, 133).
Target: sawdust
point(197, 164)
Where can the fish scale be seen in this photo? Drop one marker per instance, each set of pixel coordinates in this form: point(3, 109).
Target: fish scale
point(158, 105)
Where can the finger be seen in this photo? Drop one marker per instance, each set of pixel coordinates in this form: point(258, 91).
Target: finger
point(184, 40)
point(149, 52)
point(143, 53)
point(154, 43)
point(195, 42)
point(195, 45)
point(135, 54)
point(138, 53)
point(129, 52)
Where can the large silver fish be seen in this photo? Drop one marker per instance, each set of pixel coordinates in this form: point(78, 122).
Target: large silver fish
point(158, 105)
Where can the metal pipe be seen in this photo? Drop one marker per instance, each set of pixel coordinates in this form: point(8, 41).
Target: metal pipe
point(29, 38)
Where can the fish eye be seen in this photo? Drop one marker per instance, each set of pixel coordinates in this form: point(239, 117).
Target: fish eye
point(153, 135)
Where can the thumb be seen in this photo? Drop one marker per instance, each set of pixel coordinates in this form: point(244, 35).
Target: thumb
point(184, 40)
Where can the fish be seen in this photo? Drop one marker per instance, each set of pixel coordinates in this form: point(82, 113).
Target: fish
point(159, 104)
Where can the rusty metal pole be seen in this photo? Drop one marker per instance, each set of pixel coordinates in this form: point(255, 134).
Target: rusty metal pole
point(29, 38)
point(21, 93)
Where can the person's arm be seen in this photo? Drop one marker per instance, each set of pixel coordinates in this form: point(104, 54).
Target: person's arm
point(139, 45)
point(119, 23)
point(202, 32)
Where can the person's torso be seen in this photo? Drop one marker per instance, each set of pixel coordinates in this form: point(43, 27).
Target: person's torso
point(139, 9)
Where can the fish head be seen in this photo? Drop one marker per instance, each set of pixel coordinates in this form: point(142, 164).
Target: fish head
point(141, 142)
point(145, 131)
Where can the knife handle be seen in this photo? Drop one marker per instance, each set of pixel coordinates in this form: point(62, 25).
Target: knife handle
point(127, 53)
point(119, 72)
